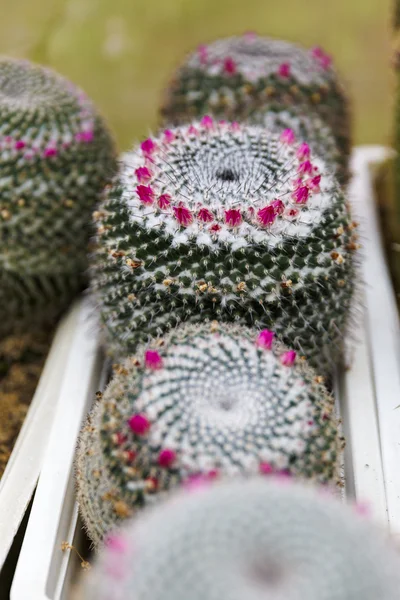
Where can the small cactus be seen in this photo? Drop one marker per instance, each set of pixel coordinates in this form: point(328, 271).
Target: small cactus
point(56, 155)
point(228, 222)
point(248, 77)
point(247, 540)
point(208, 400)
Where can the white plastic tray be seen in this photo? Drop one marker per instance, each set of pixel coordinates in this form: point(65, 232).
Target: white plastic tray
point(367, 395)
point(20, 476)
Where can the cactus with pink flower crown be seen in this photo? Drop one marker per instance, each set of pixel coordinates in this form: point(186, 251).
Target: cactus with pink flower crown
point(206, 402)
point(228, 222)
point(56, 155)
point(253, 78)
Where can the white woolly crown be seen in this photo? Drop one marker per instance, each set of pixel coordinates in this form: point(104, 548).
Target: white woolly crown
point(224, 184)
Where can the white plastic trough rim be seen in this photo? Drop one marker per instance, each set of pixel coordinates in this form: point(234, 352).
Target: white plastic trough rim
point(37, 575)
point(383, 330)
point(23, 468)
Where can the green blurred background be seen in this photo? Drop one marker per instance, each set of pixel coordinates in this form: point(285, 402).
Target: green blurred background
point(122, 51)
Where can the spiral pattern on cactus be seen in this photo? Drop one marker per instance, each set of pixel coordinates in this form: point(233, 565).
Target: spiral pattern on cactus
point(248, 77)
point(56, 155)
point(204, 403)
point(228, 222)
point(248, 540)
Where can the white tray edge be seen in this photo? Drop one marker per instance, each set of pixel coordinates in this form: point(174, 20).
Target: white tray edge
point(383, 329)
point(42, 542)
point(20, 475)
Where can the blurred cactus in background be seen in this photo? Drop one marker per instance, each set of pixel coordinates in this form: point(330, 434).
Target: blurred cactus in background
point(56, 155)
point(249, 77)
point(134, 46)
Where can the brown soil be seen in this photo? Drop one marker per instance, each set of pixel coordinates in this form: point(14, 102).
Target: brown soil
point(21, 362)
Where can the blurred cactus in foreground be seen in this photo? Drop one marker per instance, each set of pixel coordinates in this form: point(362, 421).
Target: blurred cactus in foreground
point(247, 540)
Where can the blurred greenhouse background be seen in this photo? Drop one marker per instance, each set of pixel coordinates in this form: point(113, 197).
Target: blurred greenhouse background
point(122, 51)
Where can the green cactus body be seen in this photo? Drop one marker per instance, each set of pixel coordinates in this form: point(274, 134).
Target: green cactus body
point(248, 540)
point(207, 401)
point(245, 78)
point(227, 222)
point(56, 155)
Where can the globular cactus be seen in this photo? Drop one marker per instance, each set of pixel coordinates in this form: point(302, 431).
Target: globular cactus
point(228, 222)
point(248, 540)
point(56, 155)
point(208, 400)
point(248, 77)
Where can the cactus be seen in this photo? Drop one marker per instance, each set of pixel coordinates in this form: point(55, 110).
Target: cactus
point(56, 155)
point(228, 222)
point(208, 400)
point(247, 540)
point(248, 77)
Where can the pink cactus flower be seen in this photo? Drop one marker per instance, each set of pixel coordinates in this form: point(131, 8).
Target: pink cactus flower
point(148, 146)
point(229, 66)
point(139, 424)
point(265, 468)
point(205, 215)
point(215, 228)
point(266, 215)
point(303, 152)
point(305, 168)
point(143, 174)
point(19, 145)
point(183, 215)
point(145, 193)
point(50, 151)
point(301, 194)
point(164, 201)
point(324, 59)
point(87, 136)
point(284, 70)
point(265, 339)
point(207, 122)
point(84, 136)
point(314, 183)
point(279, 207)
point(235, 126)
point(169, 136)
point(166, 458)
point(288, 137)
point(192, 130)
point(233, 217)
point(288, 358)
point(153, 360)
